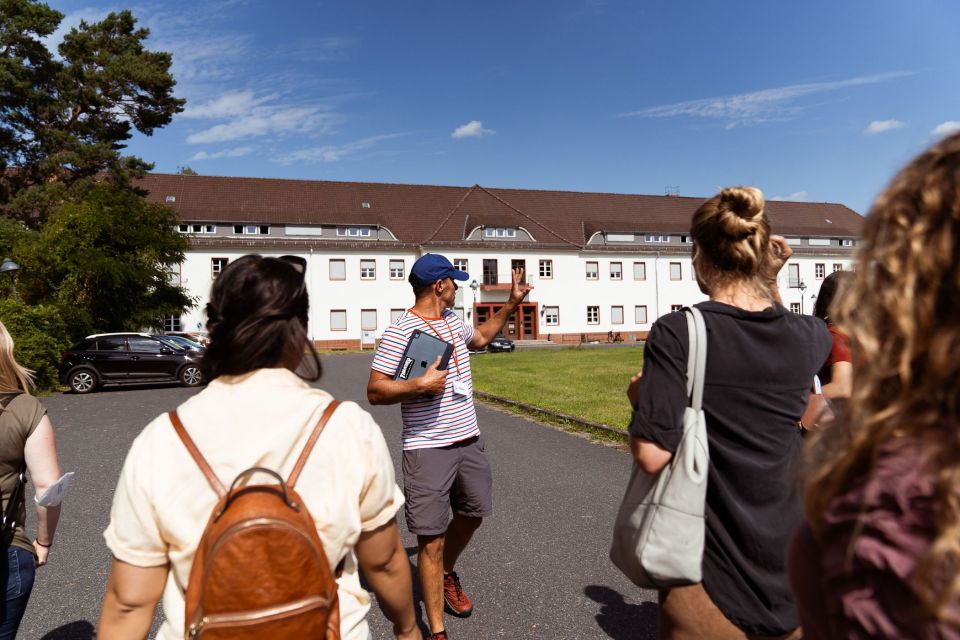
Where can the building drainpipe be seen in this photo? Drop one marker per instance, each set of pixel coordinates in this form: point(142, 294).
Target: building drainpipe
point(310, 293)
point(656, 285)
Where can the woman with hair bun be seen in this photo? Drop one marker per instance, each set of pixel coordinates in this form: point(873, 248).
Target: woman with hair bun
point(257, 411)
point(879, 554)
point(761, 360)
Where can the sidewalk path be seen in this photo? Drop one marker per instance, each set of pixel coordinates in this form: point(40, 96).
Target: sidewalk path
point(537, 569)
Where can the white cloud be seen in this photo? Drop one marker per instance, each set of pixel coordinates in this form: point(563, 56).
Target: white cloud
point(879, 126)
point(758, 106)
point(236, 152)
point(946, 128)
point(335, 153)
point(228, 105)
point(796, 196)
point(250, 116)
point(473, 129)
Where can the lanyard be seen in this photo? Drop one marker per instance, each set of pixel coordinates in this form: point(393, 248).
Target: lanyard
point(453, 340)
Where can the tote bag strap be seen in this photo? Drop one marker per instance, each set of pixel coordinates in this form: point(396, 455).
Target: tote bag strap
point(696, 356)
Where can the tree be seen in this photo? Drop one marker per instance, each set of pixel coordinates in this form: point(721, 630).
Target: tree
point(64, 122)
point(186, 171)
point(103, 261)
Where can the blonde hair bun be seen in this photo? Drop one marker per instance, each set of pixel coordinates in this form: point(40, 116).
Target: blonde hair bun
point(740, 210)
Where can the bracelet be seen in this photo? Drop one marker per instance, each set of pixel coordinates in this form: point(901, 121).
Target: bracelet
point(45, 546)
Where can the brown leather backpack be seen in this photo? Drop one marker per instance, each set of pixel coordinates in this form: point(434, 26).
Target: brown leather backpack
point(260, 570)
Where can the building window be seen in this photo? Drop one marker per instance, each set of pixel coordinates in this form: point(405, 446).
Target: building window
point(551, 316)
point(368, 269)
point(217, 265)
point(656, 237)
point(793, 275)
point(837, 267)
point(460, 264)
point(499, 232)
point(639, 270)
point(616, 315)
point(338, 269)
point(173, 274)
point(685, 239)
point(338, 320)
point(819, 270)
point(197, 228)
point(546, 269)
point(818, 242)
point(172, 323)
point(795, 307)
point(794, 241)
point(353, 232)
point(676, 271)
point(396, 270)
point(519, 264)
point(593, 315)
point(616, 271)
point(368, 320)
point(640, 314)
point(489, 271)
point(252, 229)
point(846, 242)
point(395, 314)
point(676, 307)
point(593, 271)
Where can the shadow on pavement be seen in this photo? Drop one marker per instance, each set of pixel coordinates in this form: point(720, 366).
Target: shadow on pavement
point(78, 630)
point(620, 620)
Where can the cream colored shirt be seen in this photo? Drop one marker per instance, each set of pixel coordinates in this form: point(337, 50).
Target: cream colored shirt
point(162, 502)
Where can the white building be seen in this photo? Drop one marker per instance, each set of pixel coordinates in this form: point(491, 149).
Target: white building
point(599, 262)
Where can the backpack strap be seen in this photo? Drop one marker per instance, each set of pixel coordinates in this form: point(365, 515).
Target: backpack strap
point(212, 478)
point(312, 440)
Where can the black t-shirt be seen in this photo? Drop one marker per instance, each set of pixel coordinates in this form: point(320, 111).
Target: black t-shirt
point(760, 367)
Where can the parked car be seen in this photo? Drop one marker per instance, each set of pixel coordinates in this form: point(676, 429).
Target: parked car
point(501, 344)
point(124, 358)
point(197, 336)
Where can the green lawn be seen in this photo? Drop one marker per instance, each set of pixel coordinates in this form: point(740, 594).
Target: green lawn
point(585, 382)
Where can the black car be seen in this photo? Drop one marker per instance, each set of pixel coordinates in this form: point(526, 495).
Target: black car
point(501, 344)
point(118, 358)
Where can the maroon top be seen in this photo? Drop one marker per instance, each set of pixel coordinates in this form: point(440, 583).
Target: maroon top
point(839, 352)
point(856, 583)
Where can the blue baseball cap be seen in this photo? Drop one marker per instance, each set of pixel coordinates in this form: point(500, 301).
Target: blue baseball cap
point(431, 267)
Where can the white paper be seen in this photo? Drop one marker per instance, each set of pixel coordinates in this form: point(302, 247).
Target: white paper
point(55, 492)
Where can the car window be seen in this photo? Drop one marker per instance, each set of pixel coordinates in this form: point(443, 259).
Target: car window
point(116, 343)
point(171, 341)
point(148, 345)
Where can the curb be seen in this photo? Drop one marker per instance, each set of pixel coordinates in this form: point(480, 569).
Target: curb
point(547, 413)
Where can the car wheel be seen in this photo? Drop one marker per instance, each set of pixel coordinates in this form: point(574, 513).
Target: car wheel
point(82, 381)
point(190, 376)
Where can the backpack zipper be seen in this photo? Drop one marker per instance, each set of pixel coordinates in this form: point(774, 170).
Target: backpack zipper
point(255, 617)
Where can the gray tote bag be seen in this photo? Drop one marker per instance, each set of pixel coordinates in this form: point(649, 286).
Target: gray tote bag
point(659, 533)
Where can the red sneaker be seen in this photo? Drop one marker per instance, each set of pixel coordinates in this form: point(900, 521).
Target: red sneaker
point(457, 602)
point(439, 635)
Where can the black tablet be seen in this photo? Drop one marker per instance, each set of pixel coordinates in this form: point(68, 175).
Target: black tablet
point(421, 351)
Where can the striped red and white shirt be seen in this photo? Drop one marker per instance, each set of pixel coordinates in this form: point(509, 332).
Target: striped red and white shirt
point(432, 421)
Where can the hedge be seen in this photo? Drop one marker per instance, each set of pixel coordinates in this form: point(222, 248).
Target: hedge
point(39, 337)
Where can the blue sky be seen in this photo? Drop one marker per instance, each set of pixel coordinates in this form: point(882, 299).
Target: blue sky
point(816, 100)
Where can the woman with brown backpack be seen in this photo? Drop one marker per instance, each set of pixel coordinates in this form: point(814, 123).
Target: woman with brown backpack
point(252, 508)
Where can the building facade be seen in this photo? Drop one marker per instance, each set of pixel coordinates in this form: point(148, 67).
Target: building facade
point(601, 264)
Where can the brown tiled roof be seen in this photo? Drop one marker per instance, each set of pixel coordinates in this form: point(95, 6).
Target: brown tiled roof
point(419, 214)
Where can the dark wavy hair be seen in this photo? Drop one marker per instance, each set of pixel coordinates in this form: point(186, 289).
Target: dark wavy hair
point(832, 284)
point(257, 318)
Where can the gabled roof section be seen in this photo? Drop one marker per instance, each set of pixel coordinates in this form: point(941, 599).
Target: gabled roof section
point(417, 214)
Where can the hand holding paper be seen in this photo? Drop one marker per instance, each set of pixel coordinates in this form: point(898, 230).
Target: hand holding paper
point(53, 496)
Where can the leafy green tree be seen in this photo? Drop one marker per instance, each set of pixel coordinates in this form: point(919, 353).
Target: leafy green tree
point(65, 121)
point(39, 337)
point(104, 262)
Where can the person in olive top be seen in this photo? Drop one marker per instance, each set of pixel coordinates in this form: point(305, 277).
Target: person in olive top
point(26, 439)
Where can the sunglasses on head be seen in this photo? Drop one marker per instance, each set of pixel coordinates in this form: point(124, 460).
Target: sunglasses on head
point(298, 263)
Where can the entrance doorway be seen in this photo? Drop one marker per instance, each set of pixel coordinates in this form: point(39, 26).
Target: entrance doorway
point(521, 325)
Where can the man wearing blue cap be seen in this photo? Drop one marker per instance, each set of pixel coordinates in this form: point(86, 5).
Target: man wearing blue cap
point(444, 465)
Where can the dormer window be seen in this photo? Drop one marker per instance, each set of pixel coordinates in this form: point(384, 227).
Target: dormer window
point(251, 229)
point(197, 228)
point(170, 199)
point(499, 232)
point(353, 232)
point(846, 242)
point(365, 205)
point(656, 237)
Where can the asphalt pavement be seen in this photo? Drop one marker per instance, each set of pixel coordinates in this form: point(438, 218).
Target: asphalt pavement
point(538, 568)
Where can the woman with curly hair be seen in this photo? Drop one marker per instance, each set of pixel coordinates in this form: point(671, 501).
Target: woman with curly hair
point(761, 359)
point(879, 556)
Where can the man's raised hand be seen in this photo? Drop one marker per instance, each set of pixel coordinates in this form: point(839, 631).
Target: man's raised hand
point(520, 289)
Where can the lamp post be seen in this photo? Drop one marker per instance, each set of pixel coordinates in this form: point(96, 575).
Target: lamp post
point(474, 286)
point(11, 267)
point(803, 288)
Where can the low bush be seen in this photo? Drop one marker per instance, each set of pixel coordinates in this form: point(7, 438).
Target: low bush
point(39, 336)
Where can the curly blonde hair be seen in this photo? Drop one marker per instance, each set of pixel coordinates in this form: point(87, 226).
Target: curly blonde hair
point(731, 234)
point(902, 313)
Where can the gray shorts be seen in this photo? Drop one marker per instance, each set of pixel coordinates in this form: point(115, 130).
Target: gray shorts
point(457, 476)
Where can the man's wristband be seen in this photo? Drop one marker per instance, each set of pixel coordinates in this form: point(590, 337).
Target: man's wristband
point(45, 546)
